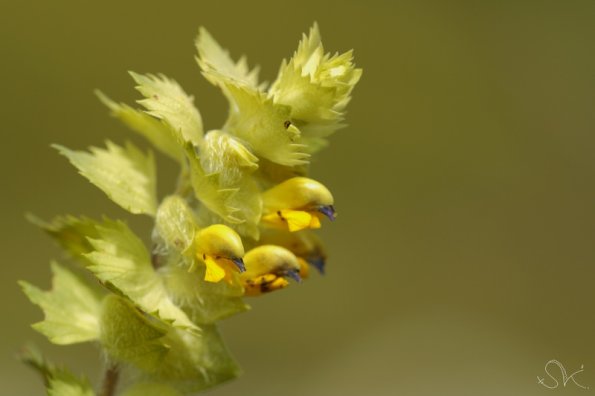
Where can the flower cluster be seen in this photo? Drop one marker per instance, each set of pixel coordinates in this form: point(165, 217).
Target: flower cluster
point(239, 223)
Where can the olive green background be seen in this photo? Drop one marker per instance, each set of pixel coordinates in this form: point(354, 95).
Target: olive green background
point(463, 257)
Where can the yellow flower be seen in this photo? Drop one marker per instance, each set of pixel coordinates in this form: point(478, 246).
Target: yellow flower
point(267, 267)
point(221, 250)
point(306, 246)
point(297, 204)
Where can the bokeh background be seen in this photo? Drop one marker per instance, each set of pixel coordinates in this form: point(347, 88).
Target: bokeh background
point(463, 258)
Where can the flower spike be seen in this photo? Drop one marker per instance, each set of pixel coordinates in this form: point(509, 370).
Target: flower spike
point(239, 222)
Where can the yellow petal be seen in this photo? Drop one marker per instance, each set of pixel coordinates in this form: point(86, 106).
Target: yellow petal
point(297, 219)
point(264, 284)
point(315, 221)
point(277, 284)
point(293, 220)
point(274, 220)
point(214, 272)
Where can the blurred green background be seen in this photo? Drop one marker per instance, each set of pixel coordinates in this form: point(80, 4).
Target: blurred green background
point(463, 258)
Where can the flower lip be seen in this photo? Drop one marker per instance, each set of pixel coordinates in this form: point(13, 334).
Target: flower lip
point(317, 262)
point(328, 211)
point(239, 263)
point(293, 274)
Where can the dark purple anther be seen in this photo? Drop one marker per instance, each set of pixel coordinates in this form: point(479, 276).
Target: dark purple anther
point(239, 263)
point(293, 274)
point(328, 211)
point(317, 262)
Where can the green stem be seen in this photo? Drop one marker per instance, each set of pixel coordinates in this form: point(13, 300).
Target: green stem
point(183, 185)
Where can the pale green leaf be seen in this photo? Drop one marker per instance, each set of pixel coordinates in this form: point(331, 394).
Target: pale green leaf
point(230, 196)
point(317, 87)
point(246, 203)
point(204, 302)
point(129, 336)
point(225, 155)
point(218, 66)
point(206, 186)
point(310, 51)
point(252, 117)
point(270, 173)
point(63, 383)
point(167, 101)
point(71, 308)
point(315, 144)
point(309, 100)
point(195, 362)
point(58, 381)
point(32, 357)
point(125, 174)
point(175, 223)
point(120, 258)
point(236, 204)
point(70, 232)
point(154, 130)
point(266, 127)
point(186, 361)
